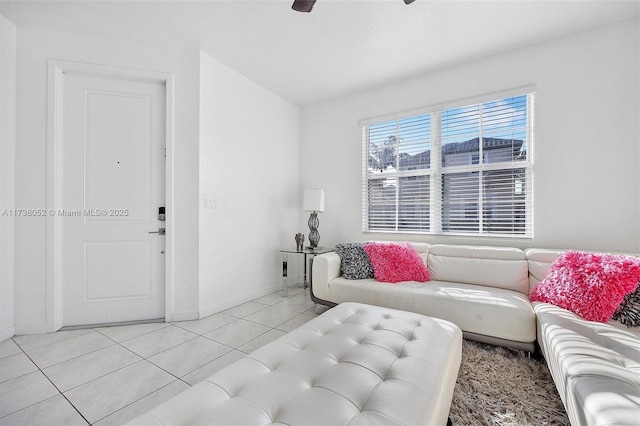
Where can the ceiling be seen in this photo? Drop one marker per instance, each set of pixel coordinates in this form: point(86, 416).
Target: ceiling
point(341, 47)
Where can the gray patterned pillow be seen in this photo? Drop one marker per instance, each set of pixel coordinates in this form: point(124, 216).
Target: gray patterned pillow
point(354, 261)
point(628, 312)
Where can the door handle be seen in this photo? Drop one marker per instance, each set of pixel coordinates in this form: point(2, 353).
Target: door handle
point(160, 231)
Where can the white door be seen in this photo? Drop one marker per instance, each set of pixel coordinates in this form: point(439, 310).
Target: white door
point(113, 183)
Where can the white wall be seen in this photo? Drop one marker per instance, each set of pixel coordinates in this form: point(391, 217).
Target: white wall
point(249, 167)
point(7, 169)
point(587, 150)
point(34, 48)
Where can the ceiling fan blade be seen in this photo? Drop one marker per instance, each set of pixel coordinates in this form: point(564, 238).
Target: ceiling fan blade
point(304, 5)
point(408, 1)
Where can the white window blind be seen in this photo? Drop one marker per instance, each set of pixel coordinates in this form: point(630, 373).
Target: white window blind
point(465, 170)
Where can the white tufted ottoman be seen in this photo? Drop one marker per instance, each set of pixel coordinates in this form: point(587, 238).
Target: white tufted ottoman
point(355, 364)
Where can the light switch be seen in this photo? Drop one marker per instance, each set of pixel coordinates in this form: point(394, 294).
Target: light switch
point(210, 203)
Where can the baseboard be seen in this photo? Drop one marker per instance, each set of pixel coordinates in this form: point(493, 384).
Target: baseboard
point(185, 316)
point(7, 333)
point(177, 316)
point(21, 329)
point(230, 303)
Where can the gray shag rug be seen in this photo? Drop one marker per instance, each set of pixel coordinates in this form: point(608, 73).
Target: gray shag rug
point(500, 386)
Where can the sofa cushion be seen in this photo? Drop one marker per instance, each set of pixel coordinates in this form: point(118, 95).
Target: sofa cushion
point(589, 284)
point(354, 261)
point(540, 261)
point(501, 267)
point(396, 262)
point(494, 312)
point(420, 247)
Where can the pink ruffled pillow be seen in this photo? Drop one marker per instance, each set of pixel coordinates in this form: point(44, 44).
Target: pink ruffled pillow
point(590, 285)
point(396, 262)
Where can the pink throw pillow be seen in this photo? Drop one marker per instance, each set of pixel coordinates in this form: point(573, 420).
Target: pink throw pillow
point(590, 285)
point(396, 262)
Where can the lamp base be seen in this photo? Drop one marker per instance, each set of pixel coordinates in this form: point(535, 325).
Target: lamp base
point(314, 235)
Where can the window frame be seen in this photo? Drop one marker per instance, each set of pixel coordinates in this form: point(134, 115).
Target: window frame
point(437, 170)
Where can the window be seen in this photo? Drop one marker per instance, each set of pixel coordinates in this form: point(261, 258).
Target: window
point(459, 171)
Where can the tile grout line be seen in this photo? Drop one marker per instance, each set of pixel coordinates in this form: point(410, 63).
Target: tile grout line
point(142, 397)
point(170, 373)
point(231, 348)
point(144, 358)
point(88, 330)
point(95, 378)
point(135, 337)
point(75, 357)
point(52, 384)
point(111, 372)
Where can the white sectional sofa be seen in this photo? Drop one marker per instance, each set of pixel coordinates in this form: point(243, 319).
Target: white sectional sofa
point(484, 290)
point(595, 366)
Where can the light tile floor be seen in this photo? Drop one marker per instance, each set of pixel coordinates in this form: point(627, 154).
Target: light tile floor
point(109, 375)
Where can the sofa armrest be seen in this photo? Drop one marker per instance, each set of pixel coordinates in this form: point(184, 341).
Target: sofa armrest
point(326, 267)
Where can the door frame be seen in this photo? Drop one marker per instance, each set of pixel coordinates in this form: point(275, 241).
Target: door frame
point(56, 70)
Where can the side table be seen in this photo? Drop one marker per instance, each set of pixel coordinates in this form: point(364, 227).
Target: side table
point(306, 252)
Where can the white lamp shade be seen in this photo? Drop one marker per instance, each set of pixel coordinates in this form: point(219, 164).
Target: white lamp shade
point(313, 200)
